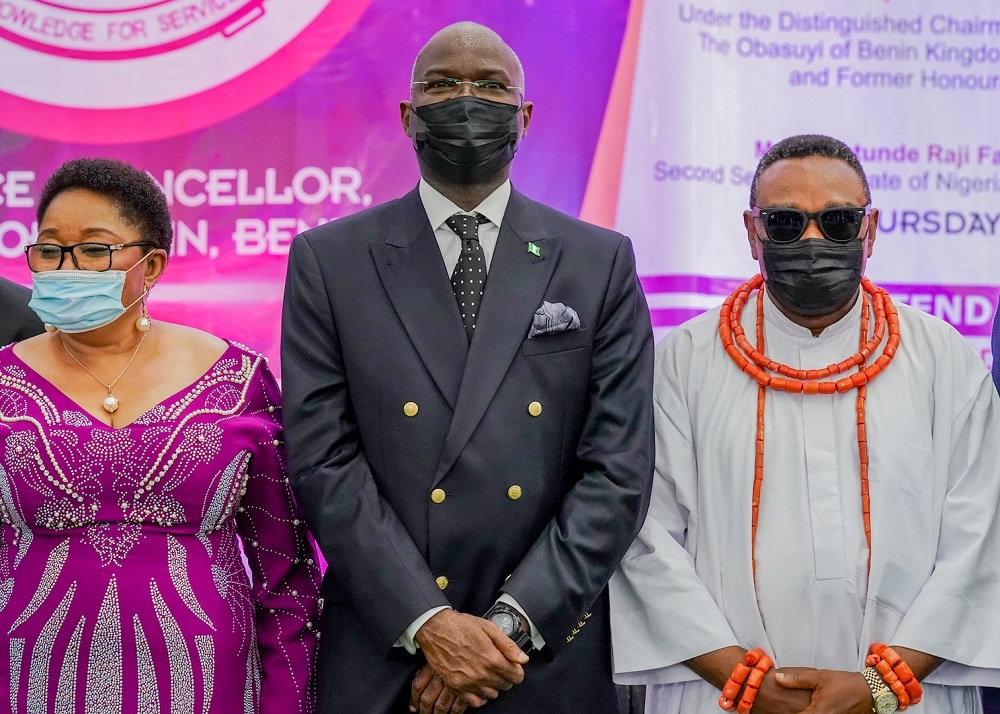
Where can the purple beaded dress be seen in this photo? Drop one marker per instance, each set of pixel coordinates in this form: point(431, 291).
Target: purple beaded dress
point(122, 586)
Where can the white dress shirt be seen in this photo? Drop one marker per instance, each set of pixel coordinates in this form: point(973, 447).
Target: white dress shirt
point(439, 209)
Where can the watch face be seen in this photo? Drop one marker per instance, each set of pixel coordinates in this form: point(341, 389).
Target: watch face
point(504, 621)
point(886, 703)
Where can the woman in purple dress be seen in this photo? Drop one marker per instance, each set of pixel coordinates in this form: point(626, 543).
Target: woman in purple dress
point(136, 456)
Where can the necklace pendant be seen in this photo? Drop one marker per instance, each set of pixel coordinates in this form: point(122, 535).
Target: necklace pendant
point(110, 403)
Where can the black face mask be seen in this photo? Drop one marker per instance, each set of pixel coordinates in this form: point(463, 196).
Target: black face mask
point(813, 276)
point(467, 139)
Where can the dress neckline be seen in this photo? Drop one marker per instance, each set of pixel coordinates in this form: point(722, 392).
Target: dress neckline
point(230, 347)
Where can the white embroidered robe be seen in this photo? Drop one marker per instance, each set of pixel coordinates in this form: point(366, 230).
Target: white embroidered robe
point(685, 587)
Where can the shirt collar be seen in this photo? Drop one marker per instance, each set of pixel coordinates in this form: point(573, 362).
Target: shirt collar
point(440, 208)
point(774, 316)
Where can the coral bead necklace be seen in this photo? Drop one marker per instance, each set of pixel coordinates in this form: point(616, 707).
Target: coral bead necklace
point(756, 364)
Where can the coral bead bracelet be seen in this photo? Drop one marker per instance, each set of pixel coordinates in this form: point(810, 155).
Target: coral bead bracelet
point(896, 674)
point(746, 678)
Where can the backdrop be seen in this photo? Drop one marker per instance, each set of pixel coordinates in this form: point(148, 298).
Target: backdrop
point(262, 118)
point(913, 86)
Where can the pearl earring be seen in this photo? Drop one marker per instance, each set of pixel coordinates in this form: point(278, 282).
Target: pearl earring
point(143, 323)
point(51, 328)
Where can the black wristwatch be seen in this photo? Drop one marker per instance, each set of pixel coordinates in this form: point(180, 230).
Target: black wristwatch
point(511, 623)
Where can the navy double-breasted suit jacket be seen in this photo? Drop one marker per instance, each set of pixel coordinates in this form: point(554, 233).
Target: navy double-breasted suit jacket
point(436, 472)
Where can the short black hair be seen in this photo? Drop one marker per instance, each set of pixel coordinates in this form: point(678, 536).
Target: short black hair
point(803, 146)
point(139, 201)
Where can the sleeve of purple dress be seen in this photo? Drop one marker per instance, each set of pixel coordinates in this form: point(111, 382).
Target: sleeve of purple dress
point(283, 565)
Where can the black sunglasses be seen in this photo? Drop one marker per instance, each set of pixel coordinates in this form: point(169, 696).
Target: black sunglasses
point(786, 225)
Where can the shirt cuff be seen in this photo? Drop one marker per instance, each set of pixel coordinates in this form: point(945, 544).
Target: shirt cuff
point(406, 639)
point(536, 637)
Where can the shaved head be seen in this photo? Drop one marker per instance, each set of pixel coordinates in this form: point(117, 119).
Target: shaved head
point(468, 37)
point(467, 74)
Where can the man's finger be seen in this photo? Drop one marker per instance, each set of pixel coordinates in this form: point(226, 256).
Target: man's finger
point(505, 662)
point(477, 700)
point(471, 700)
point(430, 696)
point(458, 707)
point(444, 701)
point(503, 643)
point(504, 686)
point(796, 677)
point(420, 682)
point(509, 672)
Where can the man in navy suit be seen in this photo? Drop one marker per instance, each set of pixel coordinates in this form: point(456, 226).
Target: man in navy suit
point(467, 381)
point(17, 321)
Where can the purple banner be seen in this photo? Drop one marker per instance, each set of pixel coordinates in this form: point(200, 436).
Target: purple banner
point(969, 308)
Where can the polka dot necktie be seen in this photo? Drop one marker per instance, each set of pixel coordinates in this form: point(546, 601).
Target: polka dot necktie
point(469, 279)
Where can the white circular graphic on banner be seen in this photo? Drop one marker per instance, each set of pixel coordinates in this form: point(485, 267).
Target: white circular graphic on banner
point(86, 58)
point(115, 29)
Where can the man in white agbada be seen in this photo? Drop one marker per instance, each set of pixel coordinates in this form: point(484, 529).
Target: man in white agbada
point(685, 606)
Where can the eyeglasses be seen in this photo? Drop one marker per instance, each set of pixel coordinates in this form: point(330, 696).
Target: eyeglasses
point(86, 256)
point(786, 225)
point(482, 88)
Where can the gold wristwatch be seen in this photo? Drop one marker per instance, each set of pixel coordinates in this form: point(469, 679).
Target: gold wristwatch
point(885, 702)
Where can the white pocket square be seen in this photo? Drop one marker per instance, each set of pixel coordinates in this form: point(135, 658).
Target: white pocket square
point(553, 317)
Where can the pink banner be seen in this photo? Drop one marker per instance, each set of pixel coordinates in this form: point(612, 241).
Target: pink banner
point(261, 119)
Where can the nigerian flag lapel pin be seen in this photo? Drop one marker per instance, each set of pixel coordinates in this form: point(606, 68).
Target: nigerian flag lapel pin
point(534, 250)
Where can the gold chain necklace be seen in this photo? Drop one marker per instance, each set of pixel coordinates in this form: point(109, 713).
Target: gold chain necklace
point(110, 402)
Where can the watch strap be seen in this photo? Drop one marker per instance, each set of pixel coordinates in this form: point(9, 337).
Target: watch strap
point(884, 701)
point(521, 638)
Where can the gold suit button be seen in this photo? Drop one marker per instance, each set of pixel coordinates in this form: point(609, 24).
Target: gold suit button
point(514, 492)
point(410, 409)
point(438, 495)
point(442, 582)
point(535, 408)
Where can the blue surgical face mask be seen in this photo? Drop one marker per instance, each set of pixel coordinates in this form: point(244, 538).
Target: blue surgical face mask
point(80, 300)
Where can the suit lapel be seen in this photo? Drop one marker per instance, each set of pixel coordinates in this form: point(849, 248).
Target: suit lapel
point(514, 289)
point(414, 276)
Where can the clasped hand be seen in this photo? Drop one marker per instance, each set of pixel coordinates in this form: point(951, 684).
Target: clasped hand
point(791, 690)
point(469, 662)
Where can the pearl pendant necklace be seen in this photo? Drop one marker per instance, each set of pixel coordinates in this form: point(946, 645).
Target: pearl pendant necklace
point(110, 403)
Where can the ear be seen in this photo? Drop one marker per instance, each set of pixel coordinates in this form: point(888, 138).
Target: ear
point(749, 223)
point(872, 229)
point(526, 108)
point(404, 115)
point(155, 265)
